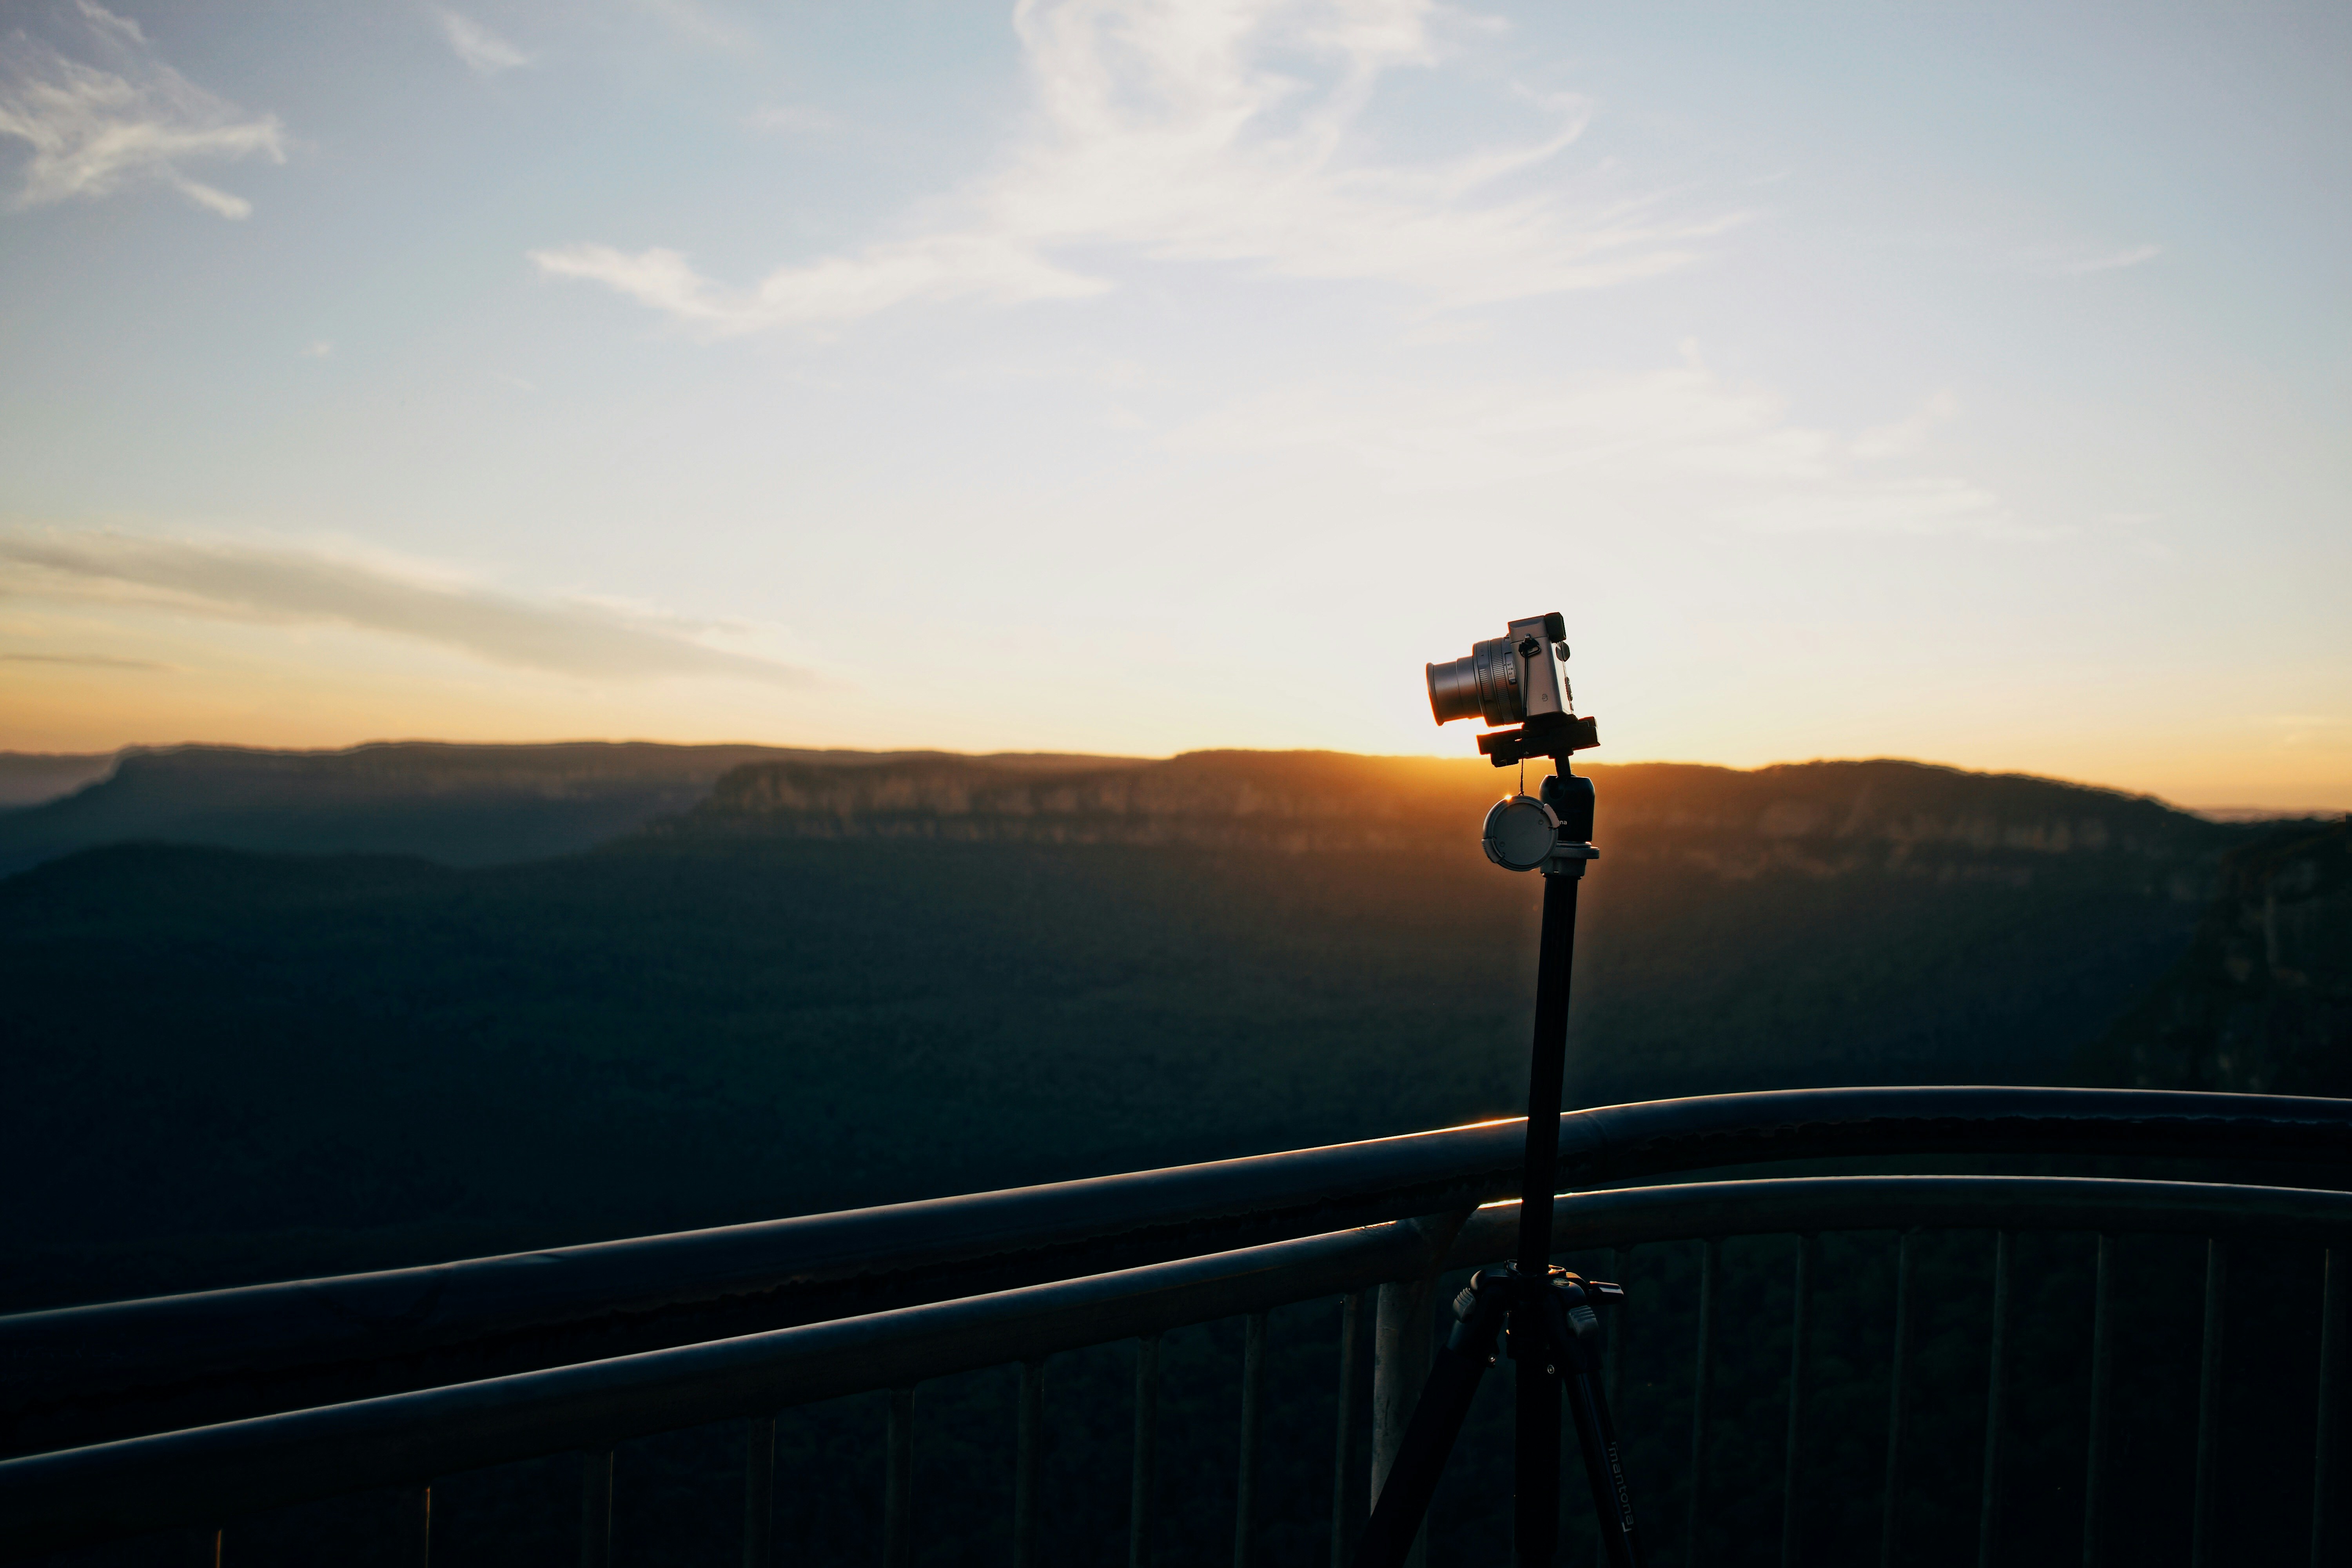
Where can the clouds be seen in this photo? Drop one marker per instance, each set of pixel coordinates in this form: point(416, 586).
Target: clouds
point(1679, 442)
point(278, 585)
point(1236, 133)
point(84, 660)
point(2080, 260)
point(835, 291)
point(112, 114)
point(2111, 262)
point(484, 52)
point(791, 119)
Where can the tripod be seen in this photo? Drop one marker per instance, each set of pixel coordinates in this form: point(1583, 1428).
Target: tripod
point(1545, 1315)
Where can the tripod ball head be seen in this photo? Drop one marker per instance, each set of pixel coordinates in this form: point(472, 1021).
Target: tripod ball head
point(1570, 797)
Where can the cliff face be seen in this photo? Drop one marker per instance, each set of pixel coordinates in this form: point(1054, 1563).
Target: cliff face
point(1876, 921)
point(1289, 801)
point(460, 804)
point(2262, 1002)
point(1812, 819)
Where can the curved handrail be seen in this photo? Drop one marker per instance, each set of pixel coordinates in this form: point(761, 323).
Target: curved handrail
point(78, 1375)
point(1804, 1204)
point(82, 1495)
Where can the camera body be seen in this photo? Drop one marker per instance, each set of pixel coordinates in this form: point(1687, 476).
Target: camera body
point(1506, 680)
point(1519, 678)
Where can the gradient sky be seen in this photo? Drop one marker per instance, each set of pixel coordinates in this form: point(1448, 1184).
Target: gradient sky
point(1968, 385)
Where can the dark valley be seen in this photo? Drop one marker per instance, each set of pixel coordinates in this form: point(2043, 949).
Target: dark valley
point(816, 982)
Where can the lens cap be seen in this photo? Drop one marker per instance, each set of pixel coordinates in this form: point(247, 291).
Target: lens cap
point(1520, 833)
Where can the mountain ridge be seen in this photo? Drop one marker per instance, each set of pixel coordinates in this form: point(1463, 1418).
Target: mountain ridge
point(1816, 818)
point(454, 802)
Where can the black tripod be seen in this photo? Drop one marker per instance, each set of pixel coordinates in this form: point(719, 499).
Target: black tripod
point(1545, 1314)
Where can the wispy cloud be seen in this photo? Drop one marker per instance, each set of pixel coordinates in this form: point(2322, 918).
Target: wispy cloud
point(1679, 443)
point(484, 52)
point(791, 118)
point(700, 24)
point(1233, 133)
point(111, 113)
point(2080, 261)
point(88, 661)
point(272, 584)
point(2113, 260)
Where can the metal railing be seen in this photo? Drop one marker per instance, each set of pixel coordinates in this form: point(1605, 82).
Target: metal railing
point(189, 1410)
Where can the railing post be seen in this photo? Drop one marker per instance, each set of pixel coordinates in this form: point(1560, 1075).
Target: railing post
point(1710, 1264)
point(1401, 1360)
point(2102, 1379)
point(759, 1492)
point(1343, 1533)
point(2331, 1393)
point(898, 1481)
point(418, 1507)
point(596, 1510)
point(1897, 1397)
point(1808, 1251)
point(1253, 1401)
point(1147, 1452)
point(1996, 1381)
point(1028, 1448)
point(2208, 1409)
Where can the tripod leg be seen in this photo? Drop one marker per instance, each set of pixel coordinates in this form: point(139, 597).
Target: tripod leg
point(1596, 1435)
point(1428, 1435)
point(1535, 1516)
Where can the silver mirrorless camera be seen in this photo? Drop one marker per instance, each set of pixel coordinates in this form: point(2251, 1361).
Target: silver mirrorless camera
point(1521, 679)
point(1508, 679)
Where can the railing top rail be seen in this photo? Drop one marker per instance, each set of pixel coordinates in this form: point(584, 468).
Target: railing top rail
point(81, 1495)
point(76, 1375)
point(1806, 1205)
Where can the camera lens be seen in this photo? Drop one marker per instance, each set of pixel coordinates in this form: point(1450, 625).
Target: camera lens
point(1454, 690)
point(1485, 685)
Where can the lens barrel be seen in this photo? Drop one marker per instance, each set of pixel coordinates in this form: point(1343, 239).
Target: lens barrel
point(1485, 685)
point(1454, 690)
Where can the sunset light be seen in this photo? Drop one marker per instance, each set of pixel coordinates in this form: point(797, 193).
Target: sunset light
point(1963, 387)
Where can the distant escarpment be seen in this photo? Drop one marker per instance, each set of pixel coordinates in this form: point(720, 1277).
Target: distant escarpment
point(1808, 819)
point(458, 804)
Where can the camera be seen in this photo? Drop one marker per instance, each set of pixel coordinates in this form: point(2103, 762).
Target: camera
point(1521, 679)
point(1506, 680)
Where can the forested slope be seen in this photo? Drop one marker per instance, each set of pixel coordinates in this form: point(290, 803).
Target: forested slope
point(847, 983)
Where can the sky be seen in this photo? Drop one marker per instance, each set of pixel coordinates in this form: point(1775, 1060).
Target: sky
point(1973, 385)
